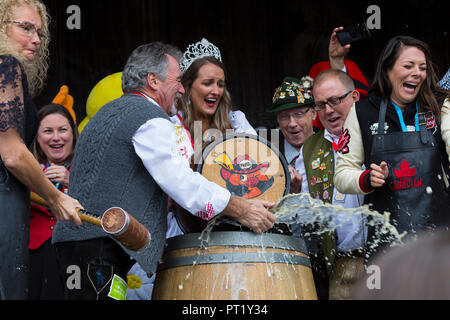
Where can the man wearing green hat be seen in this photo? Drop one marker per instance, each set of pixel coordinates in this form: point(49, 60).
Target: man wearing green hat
point(293, 104)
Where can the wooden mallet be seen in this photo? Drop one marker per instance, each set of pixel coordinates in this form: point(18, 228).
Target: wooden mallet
point(115, 221)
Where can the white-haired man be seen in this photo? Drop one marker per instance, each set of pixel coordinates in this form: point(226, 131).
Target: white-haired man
point(126, 158)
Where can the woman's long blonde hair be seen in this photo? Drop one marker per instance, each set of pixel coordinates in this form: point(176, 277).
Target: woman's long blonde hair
point(35, 70)
point(221, 119)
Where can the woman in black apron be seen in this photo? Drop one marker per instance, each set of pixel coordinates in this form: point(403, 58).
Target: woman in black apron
point(396, 134)
point(23, 53)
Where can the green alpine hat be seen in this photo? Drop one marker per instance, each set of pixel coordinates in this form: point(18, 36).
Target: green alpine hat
point(292, 93)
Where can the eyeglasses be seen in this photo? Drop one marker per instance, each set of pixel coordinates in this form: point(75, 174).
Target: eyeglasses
point(285, 117)
point(332, 102)
point(29, 29)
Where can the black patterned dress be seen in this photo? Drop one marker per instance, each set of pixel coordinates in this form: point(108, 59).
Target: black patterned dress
point(17, 111)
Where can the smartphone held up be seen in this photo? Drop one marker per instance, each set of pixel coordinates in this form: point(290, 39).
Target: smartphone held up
point(353, 34)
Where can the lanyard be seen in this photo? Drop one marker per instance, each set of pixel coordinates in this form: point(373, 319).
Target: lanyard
point(138, 93)
point(143, 95)
point(402, 122)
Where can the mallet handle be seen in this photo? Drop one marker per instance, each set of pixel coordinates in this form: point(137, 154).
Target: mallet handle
point(89, 217)
point(83, 214)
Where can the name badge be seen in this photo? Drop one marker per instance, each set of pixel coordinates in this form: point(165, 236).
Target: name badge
point(118, 289)
point(339, 197)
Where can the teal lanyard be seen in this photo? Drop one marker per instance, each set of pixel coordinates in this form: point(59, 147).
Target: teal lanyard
point(400, 117)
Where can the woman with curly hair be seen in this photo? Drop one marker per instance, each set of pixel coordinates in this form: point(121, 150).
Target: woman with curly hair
point(24, 41)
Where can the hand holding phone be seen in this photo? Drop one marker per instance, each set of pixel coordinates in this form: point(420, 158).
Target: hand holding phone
point(354, 33)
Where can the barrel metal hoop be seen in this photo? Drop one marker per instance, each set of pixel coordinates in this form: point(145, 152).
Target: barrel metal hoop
point(223, 258)
point(238, 239)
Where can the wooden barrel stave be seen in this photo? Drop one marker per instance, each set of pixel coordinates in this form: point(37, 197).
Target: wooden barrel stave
point(235, 281)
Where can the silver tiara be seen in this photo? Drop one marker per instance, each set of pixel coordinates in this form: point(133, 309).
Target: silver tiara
point(199, 50)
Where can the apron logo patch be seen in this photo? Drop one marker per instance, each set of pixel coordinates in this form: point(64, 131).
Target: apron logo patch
point(405, 178)
point(374, 128)
point(431, 121)
point(344, 140)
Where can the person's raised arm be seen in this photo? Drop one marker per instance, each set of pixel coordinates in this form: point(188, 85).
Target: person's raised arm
point(336, 51)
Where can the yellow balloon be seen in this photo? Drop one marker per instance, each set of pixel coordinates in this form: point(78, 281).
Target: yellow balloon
point(106, 90)
point(83, 124)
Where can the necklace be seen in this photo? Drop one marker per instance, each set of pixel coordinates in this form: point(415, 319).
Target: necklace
point(92, 283)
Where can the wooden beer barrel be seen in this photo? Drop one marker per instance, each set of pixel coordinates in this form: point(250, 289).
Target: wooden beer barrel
point(235, 266)
point(246, 165)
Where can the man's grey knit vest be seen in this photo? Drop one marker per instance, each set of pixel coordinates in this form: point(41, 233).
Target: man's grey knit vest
point(106, 172)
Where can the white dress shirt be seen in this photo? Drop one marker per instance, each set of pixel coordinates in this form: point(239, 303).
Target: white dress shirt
point(154, 143)
point(290, 152)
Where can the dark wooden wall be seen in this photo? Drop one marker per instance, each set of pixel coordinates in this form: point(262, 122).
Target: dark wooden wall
point(261, 41)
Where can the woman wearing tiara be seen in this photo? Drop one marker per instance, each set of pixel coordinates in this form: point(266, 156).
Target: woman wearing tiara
point(207, 102)
point(206, 99)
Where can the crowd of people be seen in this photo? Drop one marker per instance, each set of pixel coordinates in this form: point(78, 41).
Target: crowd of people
point(386, 145)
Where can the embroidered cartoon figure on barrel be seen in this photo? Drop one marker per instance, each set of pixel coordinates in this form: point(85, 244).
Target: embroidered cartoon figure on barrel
point(248, 166)
point(244, 177)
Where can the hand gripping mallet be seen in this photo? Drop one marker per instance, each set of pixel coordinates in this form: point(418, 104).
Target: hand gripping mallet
point(116, 222)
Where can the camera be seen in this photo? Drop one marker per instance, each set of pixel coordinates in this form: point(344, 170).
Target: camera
point(352, 34)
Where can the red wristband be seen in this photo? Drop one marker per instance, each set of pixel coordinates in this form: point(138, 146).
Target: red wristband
point(364, 182)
